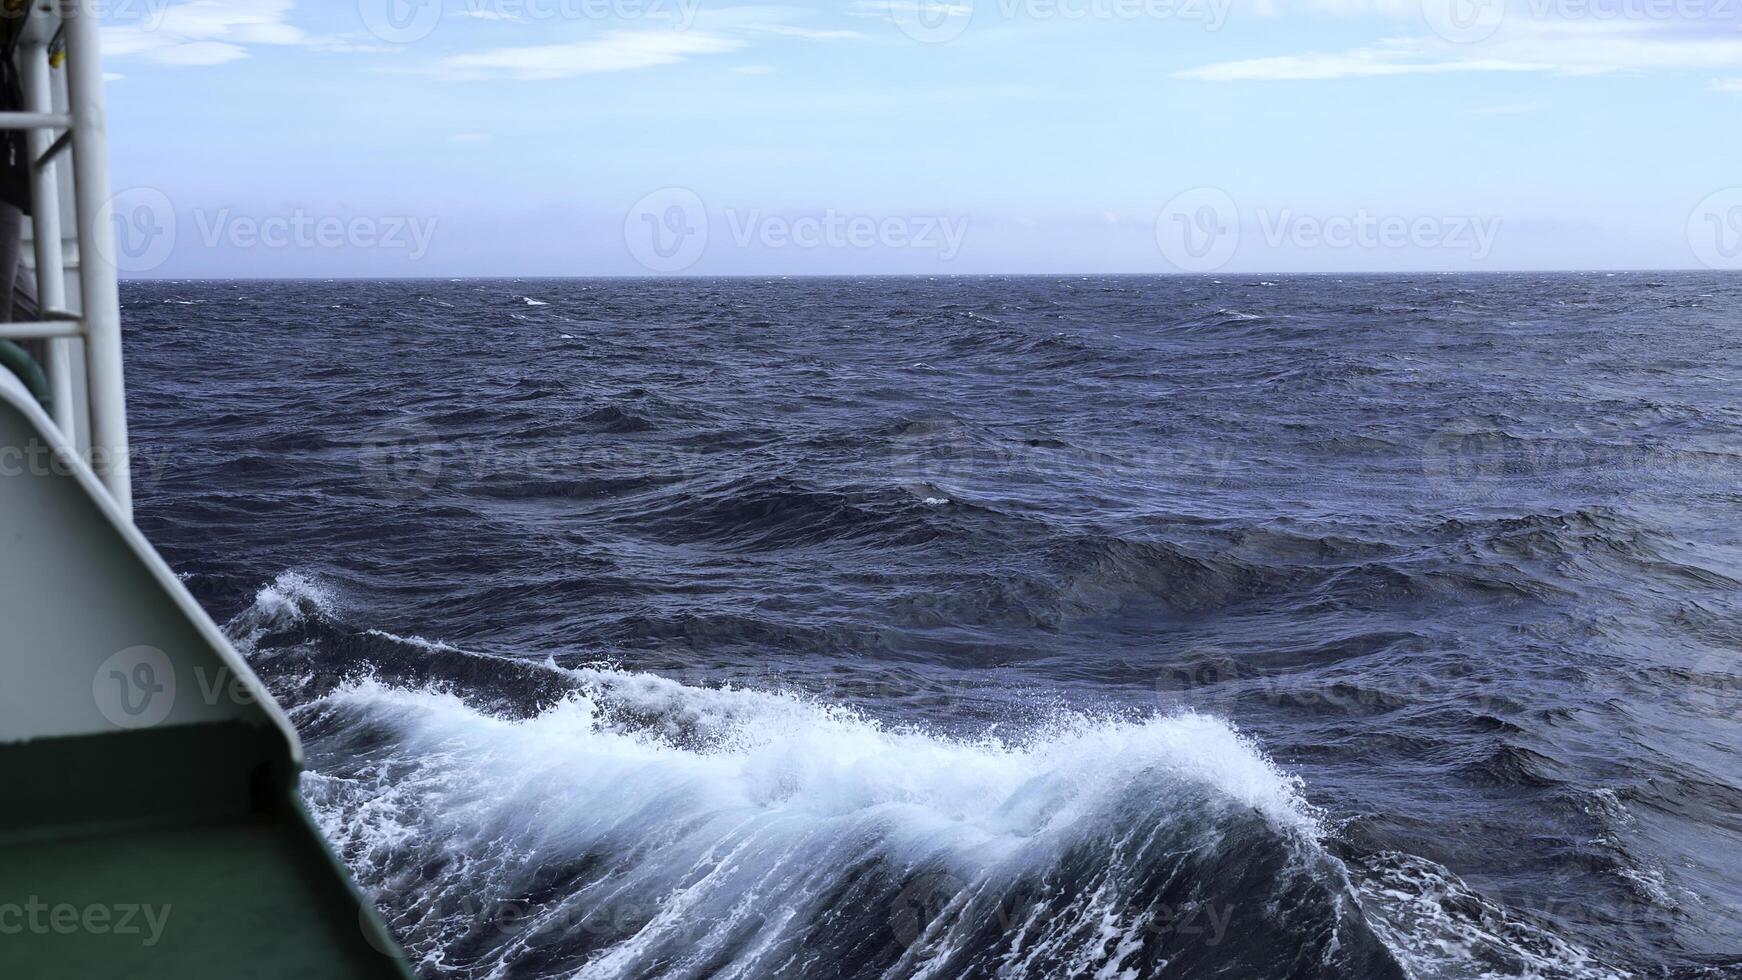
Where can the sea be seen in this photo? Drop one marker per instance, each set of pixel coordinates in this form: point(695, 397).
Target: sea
point(1112, 627)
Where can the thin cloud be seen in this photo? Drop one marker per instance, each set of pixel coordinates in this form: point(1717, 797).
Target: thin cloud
point(1396, 58)
point(1564, 48)
point(721, 31)
point(1516, 109)
point(203, 32)
point(615, 51)
point(811, 33)
point(886, 8)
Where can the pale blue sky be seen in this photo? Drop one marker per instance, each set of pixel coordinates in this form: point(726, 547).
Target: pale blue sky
point(605, 137)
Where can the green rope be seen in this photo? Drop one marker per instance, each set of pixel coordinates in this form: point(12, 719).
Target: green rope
point(19, 362)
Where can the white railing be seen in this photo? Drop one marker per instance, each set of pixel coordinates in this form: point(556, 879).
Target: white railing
point(50, 134)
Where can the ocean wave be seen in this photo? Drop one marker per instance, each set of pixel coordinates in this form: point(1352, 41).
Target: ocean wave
point(1459, 549)
point(287, 602)
point(1442, 928)
point(643, 828)
point(758, 513)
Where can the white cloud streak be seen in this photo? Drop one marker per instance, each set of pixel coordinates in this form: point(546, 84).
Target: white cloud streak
point(1563, 48)
point(203, 32)
point(615, 51)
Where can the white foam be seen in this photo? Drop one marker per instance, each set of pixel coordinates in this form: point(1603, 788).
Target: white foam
point(292, 592)
point(725, 806)
point(534, 302)
point(1420, 909)
point(284, 603)
point(431, 646)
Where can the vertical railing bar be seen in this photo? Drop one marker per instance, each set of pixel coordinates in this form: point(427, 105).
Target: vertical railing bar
point(46, 234)
point(100, 291)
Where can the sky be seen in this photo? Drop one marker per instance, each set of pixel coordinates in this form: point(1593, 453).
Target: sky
point(449, 138)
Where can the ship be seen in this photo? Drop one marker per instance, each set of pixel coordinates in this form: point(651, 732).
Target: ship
point(150, 819)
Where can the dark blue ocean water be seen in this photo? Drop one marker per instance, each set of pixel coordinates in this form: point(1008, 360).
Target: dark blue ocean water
point(1016, 627)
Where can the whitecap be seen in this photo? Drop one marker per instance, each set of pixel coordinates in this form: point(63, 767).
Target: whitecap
point(722, 825)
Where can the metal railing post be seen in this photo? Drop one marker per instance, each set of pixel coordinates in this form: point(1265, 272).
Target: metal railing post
point(45, 232)
point(99, 291)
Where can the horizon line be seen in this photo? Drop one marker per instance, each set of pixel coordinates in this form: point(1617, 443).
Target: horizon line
point(652, 277)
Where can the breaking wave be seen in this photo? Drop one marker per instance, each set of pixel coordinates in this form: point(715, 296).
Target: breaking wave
point(642, 828)
point(639, 827)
